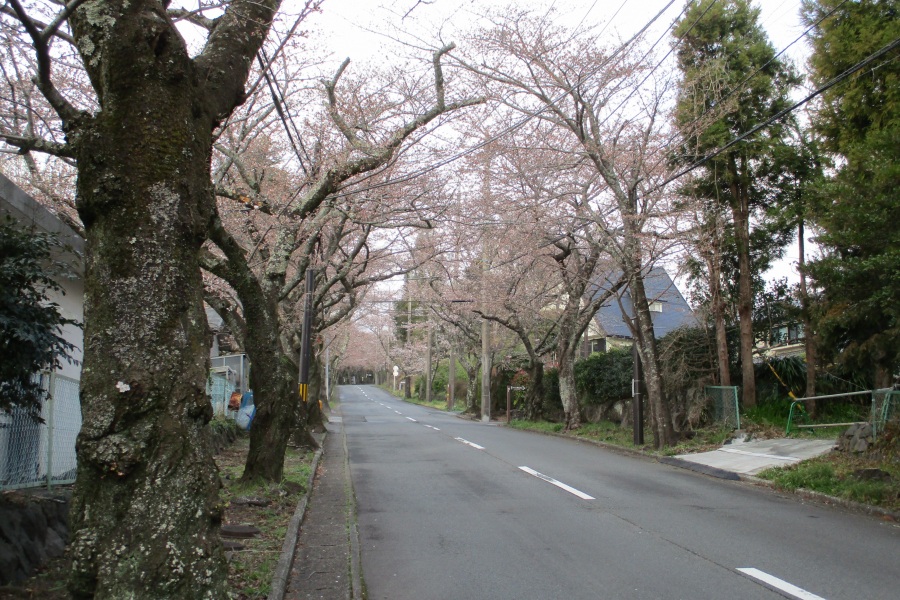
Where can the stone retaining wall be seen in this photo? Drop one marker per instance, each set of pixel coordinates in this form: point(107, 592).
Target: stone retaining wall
point(34, 527)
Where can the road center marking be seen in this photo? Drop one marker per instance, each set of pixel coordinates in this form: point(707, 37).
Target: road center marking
point(411, 419)
point(398, 412)
point(558, 484)
point(779, 584)
point(468, 443)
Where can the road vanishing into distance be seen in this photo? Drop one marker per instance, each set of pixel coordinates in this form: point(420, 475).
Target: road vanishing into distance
point(462, 510)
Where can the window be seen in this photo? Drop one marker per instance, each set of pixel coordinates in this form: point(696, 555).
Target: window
point(656, 307)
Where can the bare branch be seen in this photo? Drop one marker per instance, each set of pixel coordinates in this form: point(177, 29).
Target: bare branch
point(29, 144)
point(44, 82)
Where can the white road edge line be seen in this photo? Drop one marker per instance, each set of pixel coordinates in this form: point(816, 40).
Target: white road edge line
point(468, 443)
point(558, 484)
point(779, 584)
point(411, 419)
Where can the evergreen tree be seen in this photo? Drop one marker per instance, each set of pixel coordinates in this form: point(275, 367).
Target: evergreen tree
point(732, 81)
point(858, 207)
point(29, 321)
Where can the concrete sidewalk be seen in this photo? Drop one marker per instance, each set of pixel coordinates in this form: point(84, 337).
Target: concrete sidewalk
point(740, 458)
point(326, 562)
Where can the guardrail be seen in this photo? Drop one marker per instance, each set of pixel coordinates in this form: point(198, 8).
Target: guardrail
point(879, 414)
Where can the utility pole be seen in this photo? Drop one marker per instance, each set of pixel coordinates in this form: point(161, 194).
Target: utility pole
point(305, 336)
point(408, 392)
point(637, 397)
point(451, 393)
point(485, 370)
point(428, 382)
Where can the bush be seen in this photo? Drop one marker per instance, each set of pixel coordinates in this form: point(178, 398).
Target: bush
point(552, 399)
point(605, 377)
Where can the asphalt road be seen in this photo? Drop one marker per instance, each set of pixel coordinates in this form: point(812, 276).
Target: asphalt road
point(456, 509)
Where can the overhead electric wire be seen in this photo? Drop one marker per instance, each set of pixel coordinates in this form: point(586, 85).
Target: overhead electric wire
point(659, 64)
point(739, 86)
point(825, 87)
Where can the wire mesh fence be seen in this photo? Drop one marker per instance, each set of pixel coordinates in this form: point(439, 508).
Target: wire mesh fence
point(34, 454)
point(725, 406)
point(885, 408)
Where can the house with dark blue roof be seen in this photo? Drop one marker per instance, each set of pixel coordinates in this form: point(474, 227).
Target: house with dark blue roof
point(668, 308)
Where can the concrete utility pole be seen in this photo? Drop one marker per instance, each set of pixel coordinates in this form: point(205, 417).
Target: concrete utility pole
point(637, 397)
point(428, 382)
point(305, 336)
point(451, 393)
point(408, 392)
point(485, 370)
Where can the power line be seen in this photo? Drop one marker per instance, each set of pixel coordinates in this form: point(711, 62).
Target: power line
point(831, 83)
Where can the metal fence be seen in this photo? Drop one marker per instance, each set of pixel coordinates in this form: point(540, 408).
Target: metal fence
point(885, 408)
point(34, 454)
point(219, 388)
point(725, 404)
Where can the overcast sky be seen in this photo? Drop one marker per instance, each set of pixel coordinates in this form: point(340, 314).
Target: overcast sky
point(351, 28)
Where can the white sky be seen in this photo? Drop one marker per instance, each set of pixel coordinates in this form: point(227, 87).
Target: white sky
point(363, 30)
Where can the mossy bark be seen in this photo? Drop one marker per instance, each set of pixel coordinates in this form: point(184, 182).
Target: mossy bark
point(145, 509)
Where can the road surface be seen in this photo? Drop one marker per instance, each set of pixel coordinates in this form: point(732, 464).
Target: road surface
point(457, 509)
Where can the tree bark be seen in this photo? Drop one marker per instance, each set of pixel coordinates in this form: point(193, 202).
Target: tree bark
point(664, 433)
point(809, 339)
point(534, 396)
point(145, 509)
point(741, 216)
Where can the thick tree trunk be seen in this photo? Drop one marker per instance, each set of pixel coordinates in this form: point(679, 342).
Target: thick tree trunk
point(567, 391)
point(718, 308)
point(534, 396)
point(808, 335)
point(664, 433)
point(471, 389)
point(145, 510)
point(741, 217)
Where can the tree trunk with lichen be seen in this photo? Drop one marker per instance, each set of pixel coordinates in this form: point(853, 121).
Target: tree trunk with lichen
point(145, 509)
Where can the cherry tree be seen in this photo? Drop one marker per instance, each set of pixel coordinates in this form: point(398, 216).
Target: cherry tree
point(608, 104)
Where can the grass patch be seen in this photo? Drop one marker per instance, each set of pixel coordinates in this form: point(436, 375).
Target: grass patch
point(438, 404)
point(838, 474)
point(250, 570)
point(608, 432)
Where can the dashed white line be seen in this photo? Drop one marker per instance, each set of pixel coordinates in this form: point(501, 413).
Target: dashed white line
point(398, 412)
point(431, 427)
point(558, 484)
point(468, 443)
point(411, 419)
point(779, 584)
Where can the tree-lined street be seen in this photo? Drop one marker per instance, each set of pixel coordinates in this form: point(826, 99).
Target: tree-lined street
point(445, 511)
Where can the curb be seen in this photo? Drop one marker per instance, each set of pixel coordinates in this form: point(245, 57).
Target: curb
point(356, 585)
point(699, 468)
point(825, 499)
point(283, 568)
point(803, 493)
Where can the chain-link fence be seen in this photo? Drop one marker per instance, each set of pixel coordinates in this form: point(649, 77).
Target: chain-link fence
point(34, 454)
point(885, 408)
point(725, 408)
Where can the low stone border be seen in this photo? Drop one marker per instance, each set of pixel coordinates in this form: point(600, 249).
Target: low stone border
point(283, 568)
point(820, 498)
point(817, 497)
